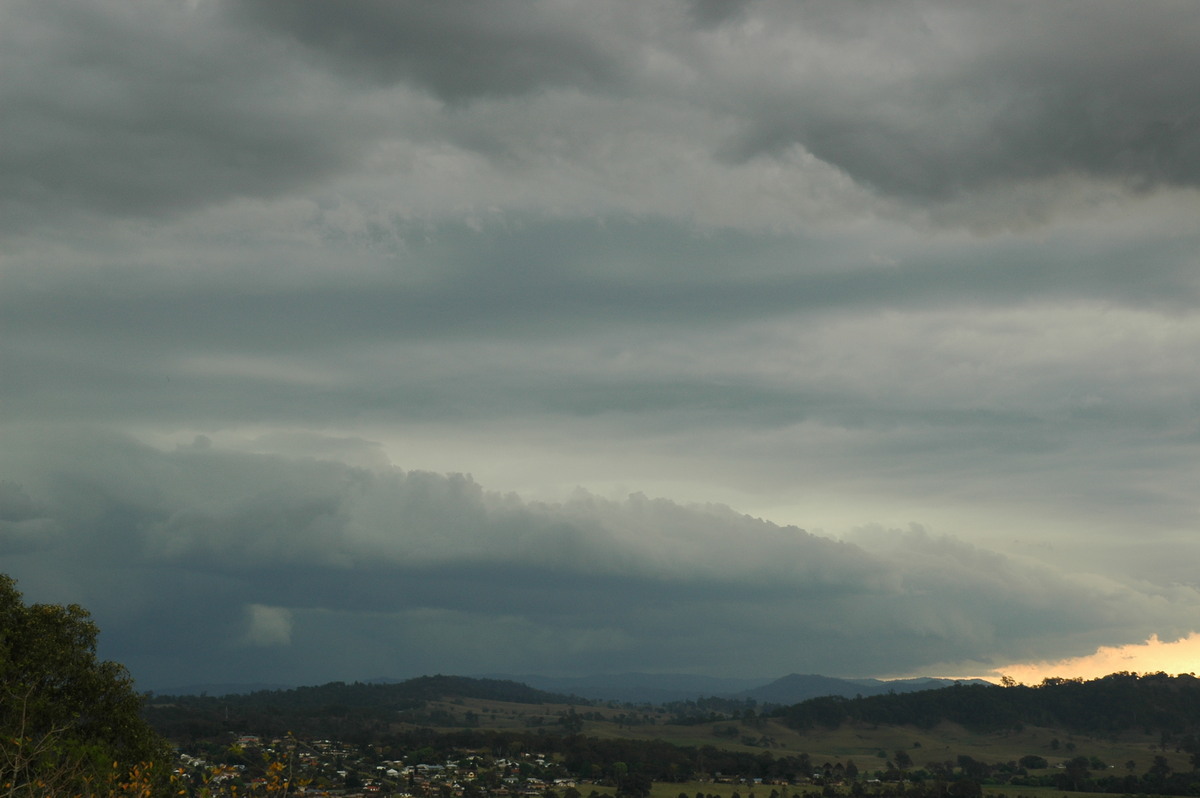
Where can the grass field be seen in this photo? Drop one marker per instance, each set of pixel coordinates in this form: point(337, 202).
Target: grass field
point(665, 790)
point(868, 746)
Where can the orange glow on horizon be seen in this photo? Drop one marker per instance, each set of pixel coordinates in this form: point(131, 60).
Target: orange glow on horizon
point(1153, 656)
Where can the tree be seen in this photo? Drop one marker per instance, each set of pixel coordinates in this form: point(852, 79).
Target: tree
point(1075, 773)
point(571, 722)
point(964, 788)
point(635, 785)
point(1159, 771)
point(65, 716)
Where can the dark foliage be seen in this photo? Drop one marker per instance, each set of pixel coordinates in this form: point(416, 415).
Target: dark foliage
point(1121, 701)
point(354, 711)
point(65, 716)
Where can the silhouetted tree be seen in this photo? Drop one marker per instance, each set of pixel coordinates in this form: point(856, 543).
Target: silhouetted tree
point(65, 716)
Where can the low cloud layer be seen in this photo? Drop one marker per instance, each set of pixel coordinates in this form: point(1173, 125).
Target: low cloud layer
point(919, 277)
point(258, 567)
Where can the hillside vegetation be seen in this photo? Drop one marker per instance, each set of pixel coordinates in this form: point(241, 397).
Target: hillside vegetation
point(1115, 703)
point(1123, 733)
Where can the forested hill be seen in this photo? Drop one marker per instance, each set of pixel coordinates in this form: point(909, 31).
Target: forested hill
point(396, 695)
point(1153, 702)
point(332, 705)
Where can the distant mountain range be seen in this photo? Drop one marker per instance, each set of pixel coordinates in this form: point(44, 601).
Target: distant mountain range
point(218, 689)
point(796, 688)
point(638, 688)
point(664, 688)
point(660, 688)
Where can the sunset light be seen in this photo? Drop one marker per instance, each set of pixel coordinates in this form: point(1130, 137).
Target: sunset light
point(1153, 656)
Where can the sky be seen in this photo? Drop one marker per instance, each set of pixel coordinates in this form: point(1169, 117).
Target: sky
point(375, 339)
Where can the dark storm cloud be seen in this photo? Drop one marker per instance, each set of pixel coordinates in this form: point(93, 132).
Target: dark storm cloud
point(23, 526)
point(116, 108)
point(458, 50)
point(938, 100)
point(291, 559)
point(708, 13)
point(128, 108)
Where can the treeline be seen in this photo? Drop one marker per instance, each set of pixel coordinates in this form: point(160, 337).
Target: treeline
point(708, 710)
point(354, 711)
point(1169, 705)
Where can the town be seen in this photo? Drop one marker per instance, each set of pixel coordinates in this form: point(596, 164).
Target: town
point(331, 767)
point(253, 765)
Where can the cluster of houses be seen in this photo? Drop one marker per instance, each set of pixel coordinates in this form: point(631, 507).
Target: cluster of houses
point(327, 767)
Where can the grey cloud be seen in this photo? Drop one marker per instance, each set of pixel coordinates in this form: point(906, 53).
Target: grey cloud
point(161, 109)
point(505, 324)
point(1013, 371)
point(31, 534)
point(953, 101)
point(459, 51)
point(120, 108)
point(23, 525)
point(15, 503)
point(556, 274)
point(709, 13)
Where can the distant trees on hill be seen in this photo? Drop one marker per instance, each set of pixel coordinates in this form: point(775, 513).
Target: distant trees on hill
point(1166, 704)
point(353, 711)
